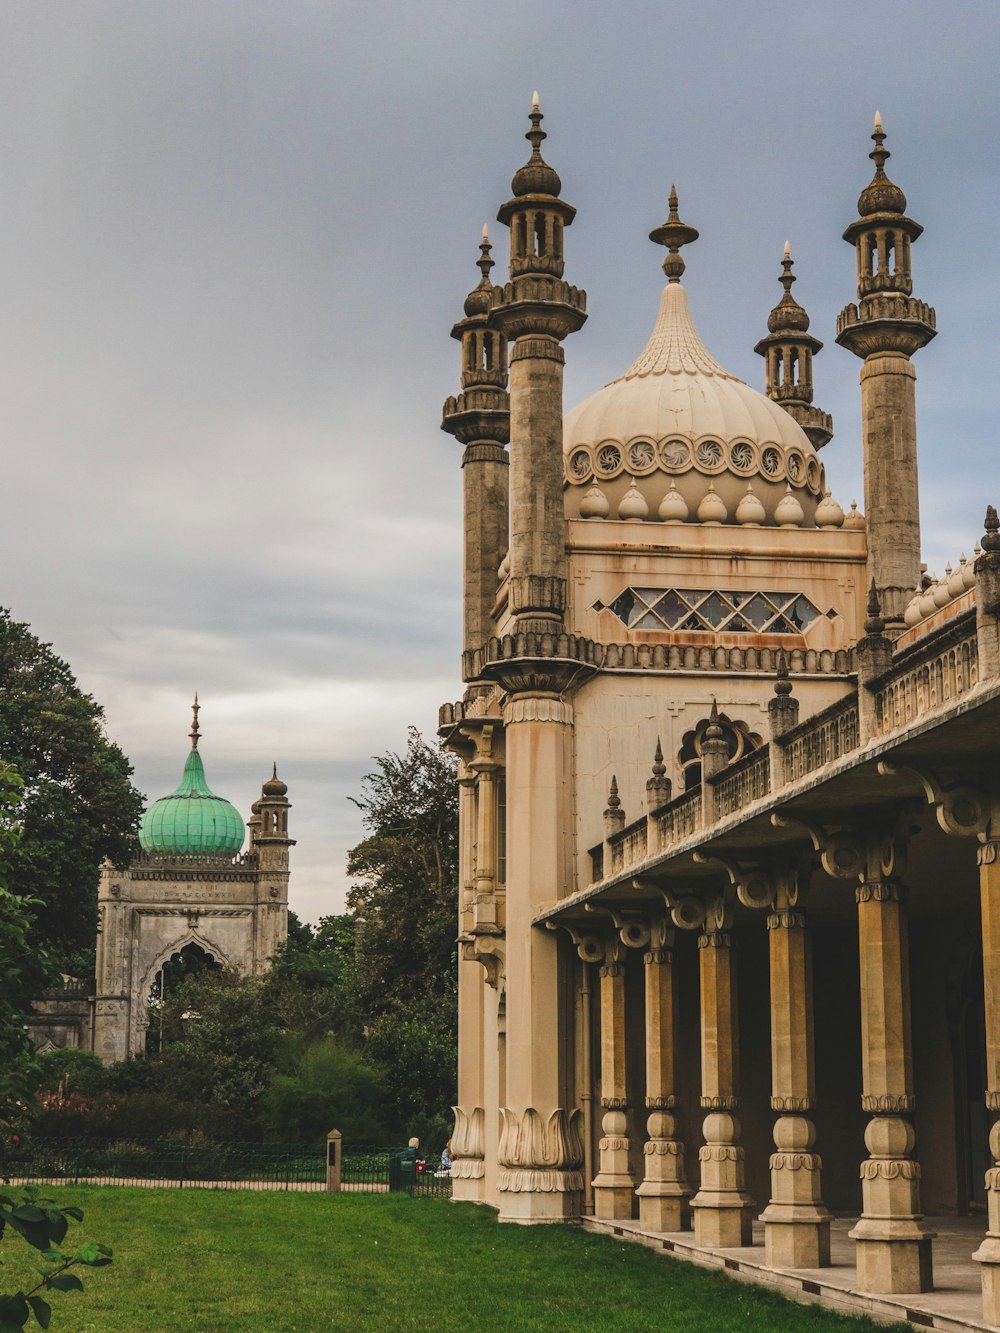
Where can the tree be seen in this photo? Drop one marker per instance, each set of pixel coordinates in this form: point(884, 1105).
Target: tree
point(25, 966)
point(406, 901)
point(310, 985)
point(79, 805)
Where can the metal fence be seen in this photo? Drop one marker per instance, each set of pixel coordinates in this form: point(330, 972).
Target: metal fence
point(167, 1163)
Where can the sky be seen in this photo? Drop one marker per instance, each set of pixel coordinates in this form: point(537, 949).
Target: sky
point(234, 236)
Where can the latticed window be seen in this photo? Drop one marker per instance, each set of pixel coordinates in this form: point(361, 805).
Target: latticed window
point(709, 609)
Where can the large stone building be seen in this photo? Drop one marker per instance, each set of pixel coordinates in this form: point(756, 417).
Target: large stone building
point(192, 894)
point(713, 725)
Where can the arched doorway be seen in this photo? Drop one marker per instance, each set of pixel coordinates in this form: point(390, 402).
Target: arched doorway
point(187, 962)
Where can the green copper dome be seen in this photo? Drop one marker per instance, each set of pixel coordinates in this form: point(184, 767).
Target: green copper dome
point(192, 821)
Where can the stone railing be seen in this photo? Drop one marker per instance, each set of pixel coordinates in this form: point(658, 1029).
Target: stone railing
point(678, 819)
point(821, 738)
point(745, 781)
point(929, 676)
point(628, 847)
point(650, 657)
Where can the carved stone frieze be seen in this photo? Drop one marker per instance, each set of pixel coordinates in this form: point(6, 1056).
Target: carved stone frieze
point(715, 939)
point(889, 1168)
point(663, 1148)
point(718, 1103)
point(537, 708)
point(988, 853)
point(795, 1161)
point(666, 1103)
point(888, 1104)
point(786, 919)
point(792, 1103)
point(468, 1143)
point(880, 891)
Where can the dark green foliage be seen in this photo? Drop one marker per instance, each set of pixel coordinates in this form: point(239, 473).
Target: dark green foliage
point(406, 901)
point(34, 1219)
point(79, 804)
point(329, 1087)
point(25, 965)
point(311, 986)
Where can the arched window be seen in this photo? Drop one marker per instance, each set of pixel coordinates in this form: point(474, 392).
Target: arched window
point(740, 740)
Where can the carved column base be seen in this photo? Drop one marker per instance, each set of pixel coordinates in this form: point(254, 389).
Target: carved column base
point(614, 1185)
point(722, 1209)
point(468, 1170)
point(988, 1254)
point(664, 1193)
point(796, 1222)
point(893, 1249)
point(539, 1177)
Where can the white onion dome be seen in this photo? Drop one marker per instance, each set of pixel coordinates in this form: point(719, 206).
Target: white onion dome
point(676, 411)
point(595, 503)
point(829, 514)
point(854, 522)
point(673, 507)
point(712, 509)
point(750, 512)
point(788, 513)
point(632, 504)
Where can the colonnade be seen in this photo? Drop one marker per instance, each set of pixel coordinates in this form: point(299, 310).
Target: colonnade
point(893, 1243)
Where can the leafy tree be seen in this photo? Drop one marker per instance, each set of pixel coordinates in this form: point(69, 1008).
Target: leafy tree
point(25, 967)
point(79, 805)
point(310, 986)
point(406, 901)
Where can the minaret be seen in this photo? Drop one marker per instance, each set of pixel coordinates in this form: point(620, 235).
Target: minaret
point(537, 309)
point(885, 328)
point(271, 843)
point(480, 419)
point(788, 352)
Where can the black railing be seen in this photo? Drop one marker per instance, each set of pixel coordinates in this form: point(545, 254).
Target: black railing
point(211, 1166)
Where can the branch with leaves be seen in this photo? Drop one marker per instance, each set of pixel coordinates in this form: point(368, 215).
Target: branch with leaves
point(43, 1227)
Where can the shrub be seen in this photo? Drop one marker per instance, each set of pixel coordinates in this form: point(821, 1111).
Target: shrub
point(332, 1087)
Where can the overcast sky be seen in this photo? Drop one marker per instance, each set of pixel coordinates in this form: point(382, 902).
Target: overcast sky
point(235, 235)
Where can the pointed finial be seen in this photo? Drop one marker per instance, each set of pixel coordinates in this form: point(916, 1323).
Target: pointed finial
point(486, 233)
point(484, 261)
point(673, 234)
point(536, 134)
point(659, 767)
point(782, 685)
point(614, 800)
point(882, 195)
point(534, 101)
point(878, 122)
point(195, 731)
point(787, 314)
point(874, 624)
point(991, 541)
point(788, 251)
point(536, 176)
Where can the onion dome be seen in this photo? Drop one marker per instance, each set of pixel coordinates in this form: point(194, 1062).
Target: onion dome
point(787, 315)
point(882, 195)
point(274, 785)
point(854, 522)
point(536, 176)
point(677, 411)
point(829, 513)
point(478, 300)
point(192, 821)
point(673, 506)
point(712, 509)
point(595, 503)
point(789, 513)
point(632, 505)
point(750, 512)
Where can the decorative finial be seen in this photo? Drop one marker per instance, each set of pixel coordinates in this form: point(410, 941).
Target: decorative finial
point(882, 195)
point(878, 122)
point(486, 233)
point(673, 234)
point(536, 176)
point(536, 134)
point(991, 541)
point(788, 251)
point(782, 685)
point(787, 314)
point(534, 101)
point(659, 767)
point(614, 800)
point(484, 261)
point(874, 624)
point(195, 731)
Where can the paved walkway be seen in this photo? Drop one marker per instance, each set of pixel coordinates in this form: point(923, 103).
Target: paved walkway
point(955, 1304)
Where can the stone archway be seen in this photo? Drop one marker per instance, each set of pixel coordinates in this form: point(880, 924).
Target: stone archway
point(188, 960)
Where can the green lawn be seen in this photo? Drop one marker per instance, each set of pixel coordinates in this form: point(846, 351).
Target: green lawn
point(284, 1262)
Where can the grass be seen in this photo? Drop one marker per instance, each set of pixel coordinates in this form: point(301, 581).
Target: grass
point(309, 1263)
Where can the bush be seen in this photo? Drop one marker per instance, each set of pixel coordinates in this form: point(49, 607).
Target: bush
point(331, 1087)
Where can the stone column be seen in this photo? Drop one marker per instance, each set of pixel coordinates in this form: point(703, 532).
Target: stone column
point(796, 1223)
point(893, 1245)
point(541, 1150)
point(486, 476)
point(614, 1183)
point(988, 1254)
point(721, 1208)
point(664, 1191)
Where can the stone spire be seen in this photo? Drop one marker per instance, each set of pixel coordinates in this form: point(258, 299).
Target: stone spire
point(537, 309)
point(788, 352)
point(884, 329)
point(195, 731)
point(479, 418)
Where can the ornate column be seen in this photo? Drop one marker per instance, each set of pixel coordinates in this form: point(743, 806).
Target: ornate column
point(664, 1191)
point(613, 1184)
point(541, 1149)
point(893, 1245)
point(796, 1223)
point(988, 1254)
point(721, 1208)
